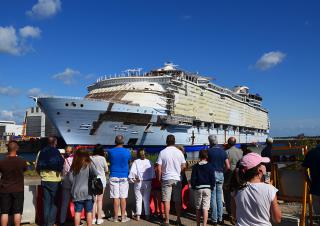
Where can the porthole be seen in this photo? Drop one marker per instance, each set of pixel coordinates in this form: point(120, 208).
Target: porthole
point(58, 113)
point(67, 104)
point(68, 122)
point(81, 105)
point(74, 104)
point(69, 130)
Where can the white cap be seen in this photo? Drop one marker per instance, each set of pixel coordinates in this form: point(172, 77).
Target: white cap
point(269, 140)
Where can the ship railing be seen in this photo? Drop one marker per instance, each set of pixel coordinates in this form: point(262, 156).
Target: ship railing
point(68, 97)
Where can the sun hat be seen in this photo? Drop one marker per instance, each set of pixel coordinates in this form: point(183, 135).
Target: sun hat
point(251, 160)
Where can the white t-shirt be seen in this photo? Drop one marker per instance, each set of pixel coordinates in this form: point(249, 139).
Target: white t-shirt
point(253, 204)
point(171, 160)
point(100, 163)
point(142, 169)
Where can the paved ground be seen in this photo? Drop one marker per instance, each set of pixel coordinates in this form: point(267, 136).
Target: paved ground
point(188, 220)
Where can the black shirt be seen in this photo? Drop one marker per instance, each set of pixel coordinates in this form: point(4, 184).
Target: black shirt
point(312, 161)
point(12, 177)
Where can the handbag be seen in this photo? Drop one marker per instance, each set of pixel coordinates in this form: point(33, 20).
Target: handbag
point(95, 184)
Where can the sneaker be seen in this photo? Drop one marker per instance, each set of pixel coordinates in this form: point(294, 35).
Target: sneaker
point(124, 220)
point(100, 221)
point(114, 220)
point(94, 221)
point(137, 217)
point(165, 224)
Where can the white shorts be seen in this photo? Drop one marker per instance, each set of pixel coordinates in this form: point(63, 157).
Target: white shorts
point(119, 188)
point(202, 199)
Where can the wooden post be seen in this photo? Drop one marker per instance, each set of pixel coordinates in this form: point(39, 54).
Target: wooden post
point(310, 209)
point(304, 203)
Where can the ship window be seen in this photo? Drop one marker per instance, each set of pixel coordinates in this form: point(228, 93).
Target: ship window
point(67, 104)
point(58, 113)
point(74, 104)
point(68, 122)
point(69, 130)
point(151, 84)
point(81, 105)
point(32, 110)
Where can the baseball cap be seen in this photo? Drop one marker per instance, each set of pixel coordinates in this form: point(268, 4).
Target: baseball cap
point(269, 140)
point(251, 160)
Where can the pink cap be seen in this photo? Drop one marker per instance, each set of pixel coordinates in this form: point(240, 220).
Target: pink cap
point(251, 160)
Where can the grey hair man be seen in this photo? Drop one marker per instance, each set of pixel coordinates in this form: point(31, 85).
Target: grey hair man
point(234, 155)
point(267, 152)
point(218, 158)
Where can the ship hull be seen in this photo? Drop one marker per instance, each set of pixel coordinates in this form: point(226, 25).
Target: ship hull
point(82, 121)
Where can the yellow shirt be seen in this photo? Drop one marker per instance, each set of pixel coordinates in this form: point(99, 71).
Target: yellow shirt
point(50, 175)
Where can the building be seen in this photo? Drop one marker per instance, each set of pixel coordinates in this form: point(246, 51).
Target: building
point(38, 125)
point(9, 129)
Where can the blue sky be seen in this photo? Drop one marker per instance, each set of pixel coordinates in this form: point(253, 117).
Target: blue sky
point(58, 47)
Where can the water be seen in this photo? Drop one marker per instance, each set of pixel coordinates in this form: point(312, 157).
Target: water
point(28, 156)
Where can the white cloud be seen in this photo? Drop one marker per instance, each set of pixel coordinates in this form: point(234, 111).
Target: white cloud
point(269, 60)
point(9, 41)
point(35, 92)
point(29, 31)
point(6, 115)
point(67, 76)
point(14, 44)
point(16, 115)
point(44, 9)
point(9, 91)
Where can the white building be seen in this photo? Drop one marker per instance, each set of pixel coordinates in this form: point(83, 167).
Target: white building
point(9, 129)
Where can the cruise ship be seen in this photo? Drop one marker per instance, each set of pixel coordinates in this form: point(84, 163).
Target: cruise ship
point(146, 107)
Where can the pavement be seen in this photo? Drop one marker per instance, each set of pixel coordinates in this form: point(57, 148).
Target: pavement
point(187, 220)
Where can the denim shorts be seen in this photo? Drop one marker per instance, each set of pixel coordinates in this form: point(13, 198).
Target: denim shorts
point(86, 204)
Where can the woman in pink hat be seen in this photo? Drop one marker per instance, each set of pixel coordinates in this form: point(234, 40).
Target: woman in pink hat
point(254, 200)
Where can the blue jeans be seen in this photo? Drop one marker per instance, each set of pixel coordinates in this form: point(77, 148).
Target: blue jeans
point(216, 198)
point(86, 204)
point(50, 192)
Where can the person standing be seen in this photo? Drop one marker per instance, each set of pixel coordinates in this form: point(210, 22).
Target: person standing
point(142, 173)
point(119, 158)
point(254, 201)
point(170, 164)
point(12, 168)
point(66, 185)
point(100, 163)
point(202, 182)
point(50, 165)
point(267, 152)
point(234, 155)
point(312, 162)
point(81, 171)
point(219, 160)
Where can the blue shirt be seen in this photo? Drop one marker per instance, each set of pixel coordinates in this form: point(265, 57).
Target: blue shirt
point(217, 158)
point(119, 162)
point(312, 161)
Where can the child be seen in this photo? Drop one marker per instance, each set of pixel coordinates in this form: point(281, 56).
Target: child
point(254, 200)
point(142, 173)
point(81, 169)
point(202, 182)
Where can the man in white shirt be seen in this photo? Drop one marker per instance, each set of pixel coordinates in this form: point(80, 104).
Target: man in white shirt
point(170, 164)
